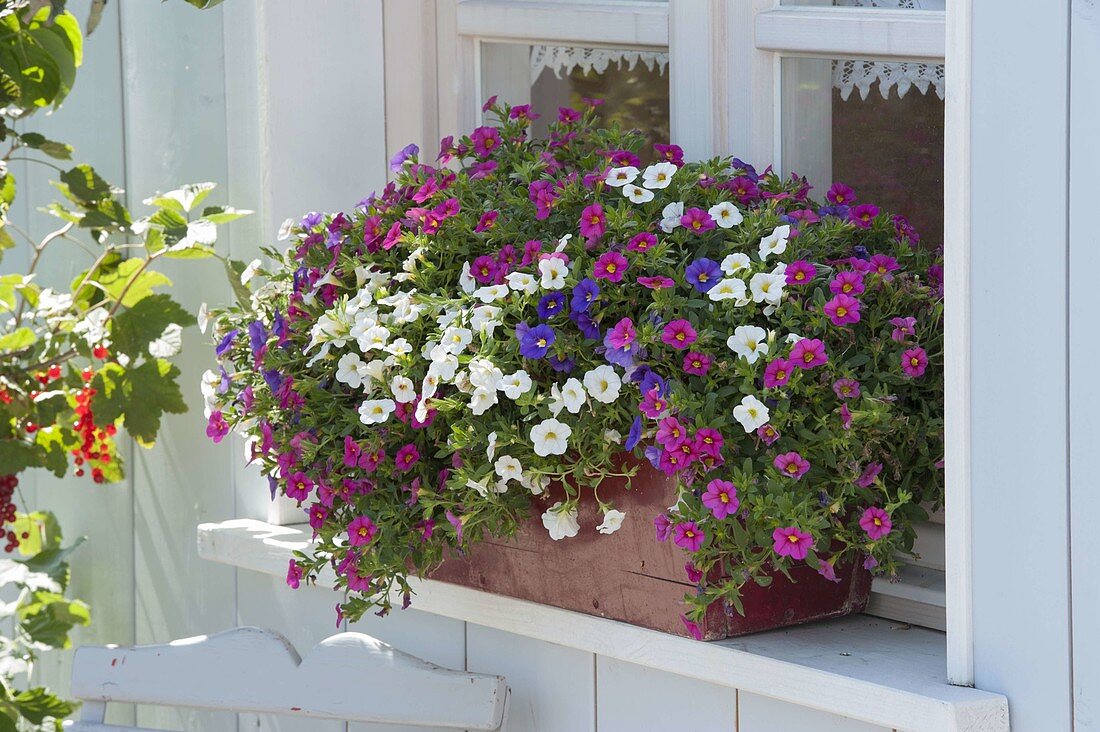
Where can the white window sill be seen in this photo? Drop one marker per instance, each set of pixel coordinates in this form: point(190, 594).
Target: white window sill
point(861, 667)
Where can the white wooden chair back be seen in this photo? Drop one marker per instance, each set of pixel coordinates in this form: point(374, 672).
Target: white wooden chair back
point(349, 676)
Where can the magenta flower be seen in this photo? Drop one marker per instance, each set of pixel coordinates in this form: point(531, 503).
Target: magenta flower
point(914, 361)
point(847, 283)
point(884, 265)
point(826, 570)
point(671, 462)
point(697, 220)
point(652, 405)
point(800, 272)
point(622, 335)
point(767, 433)
point(485, 140)
point(593, 223)
point(361, 531)
point(692, 628)
point(484, 269)
point(790, 541)
point(841, 195)
point(778, 373)
point(845, 417)
point(697, 364)
point(656, 283)
point(791, 464)
point(298, 486)
point(642, 242)
point(721, 498)
point(708, 442)
point(867, 477)
point(809, 353)
point(694, 574)
point(688, 535)
point(876, 522)
point(842, 310)
point(611, 266)
point(406, 457)
point(669, 433)
point(679, 334)
point(670, 153)
point(663, 527)
point(294, 575)
point(846, 388)
point(371, 460)
point(903, 328)
point(352, 451)
point(863, 215)
point(487, 220)
point(216, 427)
point(870, 563)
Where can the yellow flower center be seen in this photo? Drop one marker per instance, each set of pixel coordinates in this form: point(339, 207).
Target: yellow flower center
point(841, 312)
point(611, 268)
point(724, 497)
point(793, 539)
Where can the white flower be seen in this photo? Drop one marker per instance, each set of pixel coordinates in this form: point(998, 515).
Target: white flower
point(767, 287)
point(491, 293)
point(612, 437)
point(563, 242)
point(209, 384)
point(466, 280)
point(557, 403)
point(444, 365)
point(522, 282)
point(484, 375)
point(285, 229)
point(249, 271)
point(404, 391)
point(516, 385)
point(658, 175)
point(372, 338)
point(553, 273)
point(481, 486)
point(376, 411)
point(621, 176)
point(751, 413)
point(560, 522)
point(734, 263)
point(203, 318)
point(725, 214)
point(484, 319)
point(508, 468)
point(636, 194)
point(399, 347)
point(481, 400)
point(603, 383)
point(671, 215)
point(428, 388)
point(351, 370)
point(491, 448)
point(550, 437)
point(728, 288)
point(749, 341)
point(534, 482)
point(793, 338)
point(612, 520)
point(572, 393)
point(780, 269)
point(775, 242)
point(375, 369)
point(456, 339)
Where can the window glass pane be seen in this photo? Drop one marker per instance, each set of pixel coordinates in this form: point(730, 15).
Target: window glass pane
point(884, 4)
point(876, 126)
point(633, 84)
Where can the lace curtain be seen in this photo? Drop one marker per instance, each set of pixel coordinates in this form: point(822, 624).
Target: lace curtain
point(848, 76)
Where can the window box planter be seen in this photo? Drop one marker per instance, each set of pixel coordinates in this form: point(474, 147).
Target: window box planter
point(630, 577)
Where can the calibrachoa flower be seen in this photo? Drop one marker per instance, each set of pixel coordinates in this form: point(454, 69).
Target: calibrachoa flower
point(361, 531)
point(768, 434)
point(642, 242)
point(688, 535)
point(721, 498)
point(914, 361)
point(791, 464)
point(703, 274)
point(611, 266)
point(809, 353)
point(593, 223)
point(656, 283)
point(790, 541)
point(903, 328)
point(696, 220)
point(842, 310)
point(863, 215)
point(537, 341)
point(679, 334)
point(876, 522)
point(778, 373)
point(800, 272)
point(846, 388)
point(697, 364)
point(561, 521)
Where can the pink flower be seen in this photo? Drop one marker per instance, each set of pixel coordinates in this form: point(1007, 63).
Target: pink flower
point(721, 498)
point(656, 283)
point(622, 335)
point(361, 531)
point(692, 628)
point(778, 373)
point(370, 461)
point(841, 195)
point(642, 242)
point(809, 353)
point(652, 405)
point(697, 364)
point(914, 361)
point(863, 215)
point(847, 283)
point(456, 522)
point(708, 442)
point(791, 464)
point(790, 541)
point(672, 462)
point(611, 266)
point(870, 563)
point(842, 310)
point(867, 477)
point(679, 334)
point(767, 433)
point(846, 388)
point(688, 535)
point(697, 220)
point(217, 428)
point(826, 570)
point(800, 272)
point(487, 220)
point(669, 433)
point(876, 522)
point(406, 457)
point(903, 328)
point(485, 140)
point(845, 417)
point(593, 223)
point(663, 527)
point(695, 576)
point(294, 575)
point(298, 486)
point(884, 265)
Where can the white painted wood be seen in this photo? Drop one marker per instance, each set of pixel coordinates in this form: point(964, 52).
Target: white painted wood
point(1020, 533)
point(696, 59)
point(806, 108)
point(753, 98)
point(411, 95)
point(630, 697)
point(594, 23)
point(506, 73)
point(552, 686)
point(918, 597)
point(348, 676)
point(835, 667)
point(852, 33)
point(1084, 399)
point(761, 714)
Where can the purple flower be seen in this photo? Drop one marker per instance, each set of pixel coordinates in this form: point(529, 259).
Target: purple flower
point(642, 242)
point(611, 266)
point(536, 341)
point(791, 464)
point(778, 373)
point(670, 433)
point(568, 115)
point(845, 417)
point(863, 215)
point(800, 272)
point(842, 310)
point(586, 325)
point(653, 405)
point(484, 269)
point(697, 220)
point(767, 433)
point(487, 220)
point(656, 283)
point(663, 527)
point(635, 434)
point(216, 427)
point(551, 305)
point(294, 575)
point(406, 153)
point(721, 498)
point(695, 576)
point(914, 361)
point(622, 335)
point(703, 274)
point(885, 266)
point(406, 457)
point(584, 294)
point(826, 570)
point(226, 342)
point(876, 523)
point(841, 195)
point(298, 486)
point(697, 364)
point(867, 478)
point(679, 334)
point(562, 364)
point(903, 328)
point(847, 283)
point(670, 153)
point(809, 353)
point(361, 531)
point(485, 140)
point(688, 535)
point(846, 388)
point(692, 628)
point(593, 223)
point(352, 452)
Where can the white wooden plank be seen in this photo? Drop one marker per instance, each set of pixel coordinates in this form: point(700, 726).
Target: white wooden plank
point(836, 667)
point(411, 95)
point(553, 687)
point(918, 598)
point(347, 676)
point(630, 697)
point(695, 64)
point(1084, 398)
point(761, 714)
point(853, 33)
point(1013, 449)
point(594, 23)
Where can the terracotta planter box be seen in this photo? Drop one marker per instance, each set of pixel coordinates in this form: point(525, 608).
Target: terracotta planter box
point(629, 576)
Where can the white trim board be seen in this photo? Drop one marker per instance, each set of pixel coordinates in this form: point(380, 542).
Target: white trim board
point(853, 33)
point(575, 23)
point(859, 667)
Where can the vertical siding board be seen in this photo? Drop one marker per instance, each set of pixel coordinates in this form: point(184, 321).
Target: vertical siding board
point(763, 714)
point(1084, 398)
point(630, 697)
point(1018, 351)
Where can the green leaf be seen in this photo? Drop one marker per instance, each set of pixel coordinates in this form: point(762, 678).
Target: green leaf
point(18, 339)
point(7, 189)
point(39, 703)
point(195, 251)
point(140, 396)
point(58, 150)
point(85, 186)
point(55, 456)
point(52, 561)
point(144, 282)
point(204, 4)
point(233, 270)
point(48, 617)
point(183, 199)
point(134, 329)
point(223, 214)
point(16, 456)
